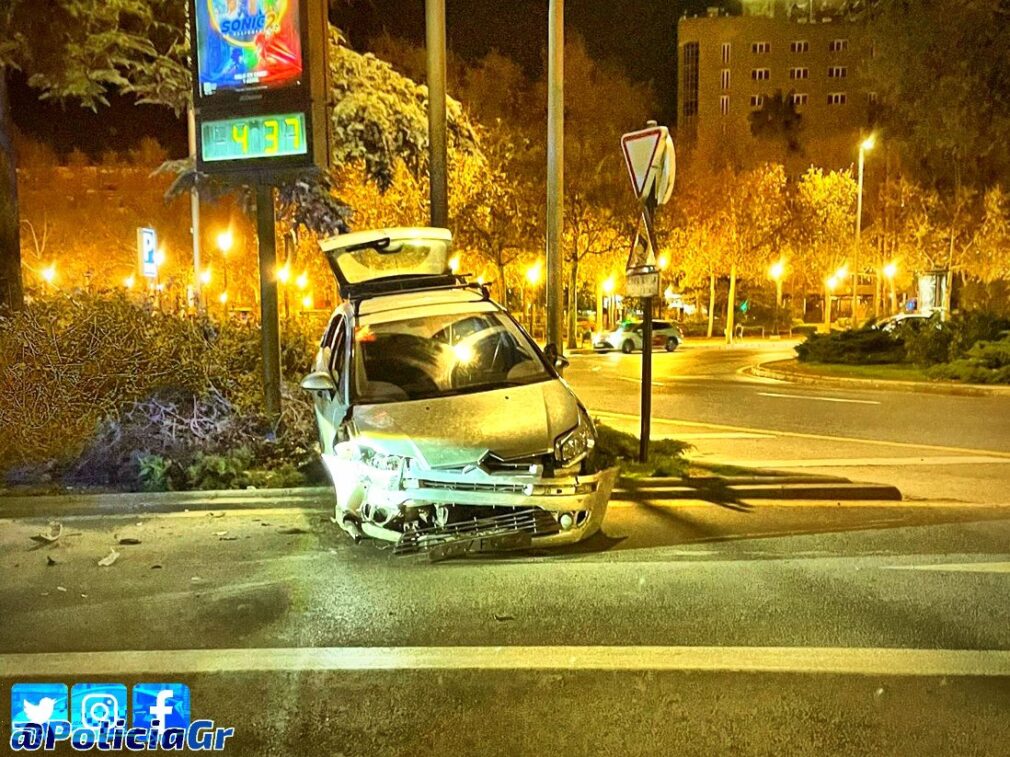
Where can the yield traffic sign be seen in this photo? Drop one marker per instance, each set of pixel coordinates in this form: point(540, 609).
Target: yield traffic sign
point(641, 150)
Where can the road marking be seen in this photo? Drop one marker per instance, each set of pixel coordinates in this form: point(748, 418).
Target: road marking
point(637, 380)
point(816, 399)
point(967, 567)
point(863, 462)
point(804, 435)
point(697, 436)
point(828, 660)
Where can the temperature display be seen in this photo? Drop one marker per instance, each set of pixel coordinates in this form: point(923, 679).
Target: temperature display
point(255, 137)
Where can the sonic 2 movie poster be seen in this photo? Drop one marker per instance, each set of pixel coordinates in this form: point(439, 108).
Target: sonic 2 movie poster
point(248, 44)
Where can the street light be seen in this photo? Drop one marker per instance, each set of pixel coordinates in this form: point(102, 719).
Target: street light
point(129, 281)
point(890, 271)
point(608, 290)
point(205, 276)
point(830, 284)
point(533, 275)
point(302, 282)
point(307, 302)
point(865, 146)
point(777, 271)
point(225, 241)
point(454, 264)
point(49, 274)
point(284, 273)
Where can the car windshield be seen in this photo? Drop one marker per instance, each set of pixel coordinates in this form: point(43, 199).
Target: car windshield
point(442, 355)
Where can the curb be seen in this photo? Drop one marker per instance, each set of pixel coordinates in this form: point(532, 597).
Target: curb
point(762, 370)
point(133, 503)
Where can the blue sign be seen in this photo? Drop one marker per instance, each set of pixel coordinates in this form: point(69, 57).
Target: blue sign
point(166, 703)
point(147, 249)
point(38, 703)
point(94, 705)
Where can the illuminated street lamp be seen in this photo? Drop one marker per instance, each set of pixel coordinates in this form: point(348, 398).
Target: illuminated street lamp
point(534, 274)
point(830, 284)
point(890, 271)
point(48, 274)
point(607, 287)
point(129, 281)
point(865, 146)
point(283, 277)
point(223, 298)
point(454, 264)
point(777, 273)
point(225, 241)
point(205, 276)
point(307, 302)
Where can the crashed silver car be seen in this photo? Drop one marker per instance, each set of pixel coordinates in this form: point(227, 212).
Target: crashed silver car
point(443, 426)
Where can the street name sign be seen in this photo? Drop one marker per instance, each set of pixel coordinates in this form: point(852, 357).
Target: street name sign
point(642, 284)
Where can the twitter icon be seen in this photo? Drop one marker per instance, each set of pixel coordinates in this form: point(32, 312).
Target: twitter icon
point(38, 703)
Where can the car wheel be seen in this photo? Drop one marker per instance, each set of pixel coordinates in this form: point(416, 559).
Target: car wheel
point(627, 347)
point(672, 344)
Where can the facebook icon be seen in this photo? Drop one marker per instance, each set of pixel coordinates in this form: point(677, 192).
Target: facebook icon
point(160, 706)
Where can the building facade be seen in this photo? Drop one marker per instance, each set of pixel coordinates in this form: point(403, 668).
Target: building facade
point(729, 67)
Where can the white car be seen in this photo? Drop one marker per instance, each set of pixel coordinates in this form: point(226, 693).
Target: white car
point(443, 426)
point(628, 337)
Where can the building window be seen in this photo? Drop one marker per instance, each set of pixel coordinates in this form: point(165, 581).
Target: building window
point(872, 98)
point(689, 80)
point(760, 74)
point(724, 78)
point(726, 48)
point(837, 72)
point(799, 73)
point(836, 98)
point(799, 99)
point(761, 47)
point(724, 104)
point(756, 101)
point(838, 45)
point(800, 46)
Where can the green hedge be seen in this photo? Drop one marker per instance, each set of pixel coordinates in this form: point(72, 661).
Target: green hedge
point(863, 347)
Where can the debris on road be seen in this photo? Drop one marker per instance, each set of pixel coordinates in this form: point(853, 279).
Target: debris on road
point(61, 588)
point(293, 530)
point(226, 537)
point(129, 541)
point(109, 559)
point(50, 535)
point(156, 566)
point(50, 561)
point(503, 617)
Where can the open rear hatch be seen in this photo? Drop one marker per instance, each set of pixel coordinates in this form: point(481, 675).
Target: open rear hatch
point(388, 260)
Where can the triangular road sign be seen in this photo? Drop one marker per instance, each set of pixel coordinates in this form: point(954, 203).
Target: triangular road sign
point(640, 148)
point(642, 255)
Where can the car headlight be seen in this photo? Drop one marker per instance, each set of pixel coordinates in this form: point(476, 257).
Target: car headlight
point(573, 446)
point(381, 461)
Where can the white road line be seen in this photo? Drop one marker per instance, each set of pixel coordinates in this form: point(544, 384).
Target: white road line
point(691, 437)
point(829, 660)
point(968, 567)
point(816, 399)
point(804, 435)
point(637, 380)
point(863, 462)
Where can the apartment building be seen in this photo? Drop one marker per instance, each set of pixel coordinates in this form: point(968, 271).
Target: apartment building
point(730, 65)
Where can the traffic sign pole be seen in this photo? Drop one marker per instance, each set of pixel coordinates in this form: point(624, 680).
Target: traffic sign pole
point(646, 430)
point(269, 316)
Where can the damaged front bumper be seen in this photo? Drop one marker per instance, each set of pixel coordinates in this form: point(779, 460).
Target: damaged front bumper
point(422, 510)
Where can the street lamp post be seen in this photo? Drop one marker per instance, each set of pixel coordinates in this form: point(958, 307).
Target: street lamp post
point(777, 271)
point(608, 291)
point(890, 271)
point(533, 275)
point(864, 146)
point(225, 241)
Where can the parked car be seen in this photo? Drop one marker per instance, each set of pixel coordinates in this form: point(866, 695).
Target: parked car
point(628, 337)
point(916, 321)
point(442, 424)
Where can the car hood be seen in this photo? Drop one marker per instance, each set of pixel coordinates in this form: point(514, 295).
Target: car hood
point(453, 431)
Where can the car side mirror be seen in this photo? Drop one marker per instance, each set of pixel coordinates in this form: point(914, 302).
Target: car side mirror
point(560, 362)
point(320, 381)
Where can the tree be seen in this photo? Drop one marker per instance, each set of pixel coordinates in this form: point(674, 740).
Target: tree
point(824, 207)
point(68, 48)
point(777, 122)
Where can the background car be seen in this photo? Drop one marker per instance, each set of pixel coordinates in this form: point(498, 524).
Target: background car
point(628, 337)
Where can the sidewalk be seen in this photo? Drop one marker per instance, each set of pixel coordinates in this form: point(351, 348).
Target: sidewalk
point(784, 370)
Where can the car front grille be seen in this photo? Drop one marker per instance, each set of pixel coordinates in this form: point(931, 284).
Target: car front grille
point(479, 534)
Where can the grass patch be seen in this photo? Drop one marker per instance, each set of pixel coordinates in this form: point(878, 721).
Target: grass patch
point(900, 372)
point(666, 456)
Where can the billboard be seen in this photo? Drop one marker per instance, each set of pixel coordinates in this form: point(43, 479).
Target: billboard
point(248, 45)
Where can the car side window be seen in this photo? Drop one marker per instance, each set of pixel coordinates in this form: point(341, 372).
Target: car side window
point(658, 325)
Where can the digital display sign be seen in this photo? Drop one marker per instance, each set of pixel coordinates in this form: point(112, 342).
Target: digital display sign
point(253, 137)
point(246, 45)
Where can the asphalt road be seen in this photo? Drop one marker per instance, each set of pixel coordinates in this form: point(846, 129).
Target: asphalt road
point(686, 627)
point(934, 447)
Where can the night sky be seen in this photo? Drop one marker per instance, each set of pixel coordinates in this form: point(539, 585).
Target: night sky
point(638, 35)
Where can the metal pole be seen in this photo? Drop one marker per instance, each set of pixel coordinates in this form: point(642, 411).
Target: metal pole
point(646, 410)
point(555, 171)
point(437, 142)
point(859, 225)
point(269, 320)
point(195, 215)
